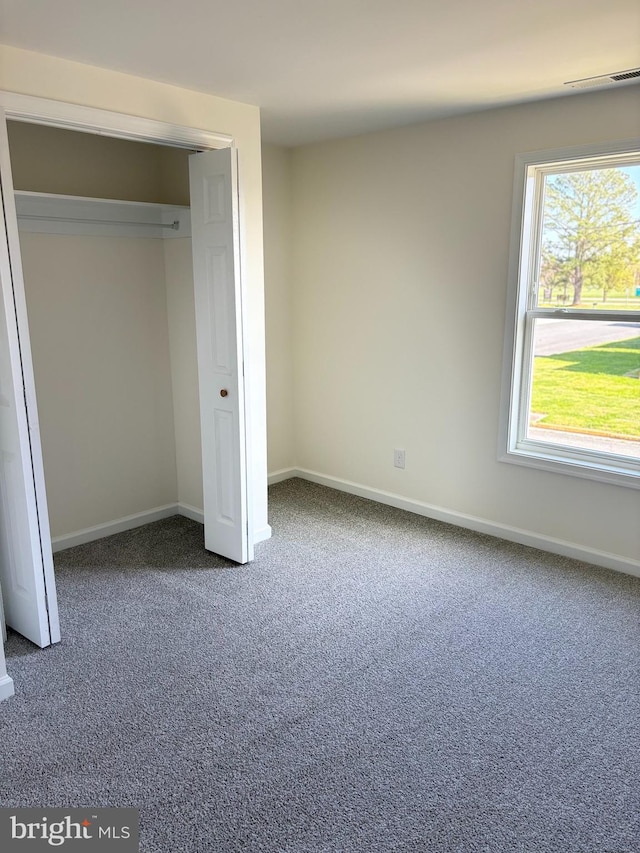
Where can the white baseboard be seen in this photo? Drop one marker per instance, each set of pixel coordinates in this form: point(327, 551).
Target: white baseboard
point(191, 512)
point(282, 474)
point(6, 687)
point(480, 525)
point(196, 514)
point(262, 535)
point(99, 531)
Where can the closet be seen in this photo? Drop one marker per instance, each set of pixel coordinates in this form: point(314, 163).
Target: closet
point(107, 299)
point(135, 349)
point(134, 345)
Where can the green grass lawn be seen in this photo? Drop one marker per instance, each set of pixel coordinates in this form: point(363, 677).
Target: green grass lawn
point(593, 300)
point(587, 389)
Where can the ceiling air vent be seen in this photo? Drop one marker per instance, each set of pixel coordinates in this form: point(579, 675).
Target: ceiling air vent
point(605, 79)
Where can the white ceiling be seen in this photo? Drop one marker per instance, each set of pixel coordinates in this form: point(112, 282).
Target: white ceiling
point(328, 68)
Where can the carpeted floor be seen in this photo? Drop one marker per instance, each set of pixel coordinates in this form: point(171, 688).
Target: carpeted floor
point(374, 681)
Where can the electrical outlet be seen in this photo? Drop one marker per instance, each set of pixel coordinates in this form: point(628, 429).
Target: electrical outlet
point(398, 458)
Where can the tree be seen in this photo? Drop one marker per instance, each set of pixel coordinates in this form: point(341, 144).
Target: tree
point(554, 277)
point(588, 219)
point(615, 270)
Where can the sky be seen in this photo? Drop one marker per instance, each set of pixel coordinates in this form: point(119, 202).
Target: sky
point(634, 172)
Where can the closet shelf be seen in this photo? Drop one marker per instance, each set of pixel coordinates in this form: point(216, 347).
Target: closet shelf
point(47, 213)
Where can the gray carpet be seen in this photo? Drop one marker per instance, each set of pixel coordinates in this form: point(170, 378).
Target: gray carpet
point(374, 681)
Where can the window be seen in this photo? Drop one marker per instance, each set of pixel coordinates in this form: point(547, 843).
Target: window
point(572, 353)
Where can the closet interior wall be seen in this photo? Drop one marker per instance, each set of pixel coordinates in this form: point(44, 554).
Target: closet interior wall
point(112, 327)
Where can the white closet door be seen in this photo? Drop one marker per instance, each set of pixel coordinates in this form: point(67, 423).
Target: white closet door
point(216, 269)
point(26, 562)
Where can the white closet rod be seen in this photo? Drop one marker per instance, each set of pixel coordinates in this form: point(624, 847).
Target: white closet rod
point(175, 225)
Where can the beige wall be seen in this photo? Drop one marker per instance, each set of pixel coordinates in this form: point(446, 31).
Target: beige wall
point(400, 252)
point(174, 175)
point(51, 160)
point(99, 338)
point(276, 193)
point(32, 74)
point(184, 370)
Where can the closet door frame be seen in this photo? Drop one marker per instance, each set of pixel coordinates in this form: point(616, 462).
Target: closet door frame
point(26, 108)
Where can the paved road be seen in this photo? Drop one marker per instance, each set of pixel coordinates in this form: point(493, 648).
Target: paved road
point(556, 336)
point(626, 447)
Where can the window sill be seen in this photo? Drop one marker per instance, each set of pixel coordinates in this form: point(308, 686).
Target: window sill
point(618, 471)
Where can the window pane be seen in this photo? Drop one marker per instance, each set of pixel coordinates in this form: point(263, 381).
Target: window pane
point(585, 391)
point(590, 240)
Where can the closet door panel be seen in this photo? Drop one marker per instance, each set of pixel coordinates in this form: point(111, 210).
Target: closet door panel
point(26, 563)
point(218, 302)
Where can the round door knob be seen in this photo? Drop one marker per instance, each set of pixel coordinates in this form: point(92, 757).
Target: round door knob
point(224, 393)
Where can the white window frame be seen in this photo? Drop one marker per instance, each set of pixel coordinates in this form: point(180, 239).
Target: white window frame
point(514, 446)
